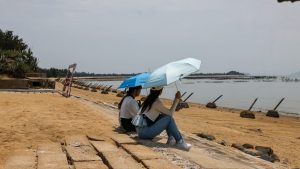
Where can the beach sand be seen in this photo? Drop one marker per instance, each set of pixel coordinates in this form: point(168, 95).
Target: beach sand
point(28, 119)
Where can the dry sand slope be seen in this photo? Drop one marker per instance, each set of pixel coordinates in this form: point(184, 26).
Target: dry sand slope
point(30, 119)
point(282, 135)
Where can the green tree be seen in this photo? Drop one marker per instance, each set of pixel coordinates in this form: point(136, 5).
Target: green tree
point(16, 58)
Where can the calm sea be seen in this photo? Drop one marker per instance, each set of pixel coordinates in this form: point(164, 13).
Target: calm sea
point(237, 93)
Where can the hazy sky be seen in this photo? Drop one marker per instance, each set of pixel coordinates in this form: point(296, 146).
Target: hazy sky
point(124, 36)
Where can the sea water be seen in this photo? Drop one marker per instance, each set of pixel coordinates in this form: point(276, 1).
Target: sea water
point(236, 93)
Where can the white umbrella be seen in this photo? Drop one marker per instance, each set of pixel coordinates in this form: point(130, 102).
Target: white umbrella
point(172, 72)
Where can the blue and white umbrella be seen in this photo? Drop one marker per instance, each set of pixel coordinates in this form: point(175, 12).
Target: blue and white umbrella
point(138, 80)
point(172, 72)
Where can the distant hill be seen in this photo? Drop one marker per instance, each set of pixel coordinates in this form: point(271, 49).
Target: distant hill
point(228, 73)
point(295, 75)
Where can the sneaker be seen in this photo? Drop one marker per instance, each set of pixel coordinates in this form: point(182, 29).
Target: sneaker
point(171, 141)
point(183, 146)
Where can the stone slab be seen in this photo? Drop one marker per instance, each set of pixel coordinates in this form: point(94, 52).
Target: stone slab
point(22, 159)
point(90, 165)
point(103, 146)
point(123, 139)
point(49, 148)
point(140, 152)
point(82, 153)
point(95, 137)
point(121, 160)
point(77, 140)
point(211, 159)
point(52, 161)
point(159, 163)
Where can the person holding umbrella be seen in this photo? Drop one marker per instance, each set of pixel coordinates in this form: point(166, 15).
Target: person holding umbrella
point(128, 108)
point(160, 118)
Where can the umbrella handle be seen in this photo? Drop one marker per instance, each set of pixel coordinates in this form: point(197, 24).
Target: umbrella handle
point(176, 86)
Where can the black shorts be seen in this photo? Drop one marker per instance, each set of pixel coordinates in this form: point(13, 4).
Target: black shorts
point(127, 125)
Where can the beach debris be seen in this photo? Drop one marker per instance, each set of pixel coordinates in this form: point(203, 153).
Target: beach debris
point(238, 146)
point(106, 90)
point(213, 104)
point(248, 113)
point(271, 158)
point(103, 87)
point(206, 136)
point(274, 113)
point(265, 153)
point(99, 86)
point(183, 104)
point(222, 142)
point(256, 130)
point(253, 152)
point(248, 146)
point(114, 90)
point(265, 150)
point(94, 90)
point(120, 95)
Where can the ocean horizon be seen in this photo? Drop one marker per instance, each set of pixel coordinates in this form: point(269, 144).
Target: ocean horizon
point(236, 93)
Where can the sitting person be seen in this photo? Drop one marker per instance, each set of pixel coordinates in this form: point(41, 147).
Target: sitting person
point(160, 118)
point(128, 108)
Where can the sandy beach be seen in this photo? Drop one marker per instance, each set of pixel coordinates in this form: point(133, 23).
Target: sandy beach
point(28, 119)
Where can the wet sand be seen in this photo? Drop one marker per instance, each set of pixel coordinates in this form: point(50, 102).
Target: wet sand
point(29, 119)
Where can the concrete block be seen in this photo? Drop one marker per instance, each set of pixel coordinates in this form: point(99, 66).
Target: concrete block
point(90, 165)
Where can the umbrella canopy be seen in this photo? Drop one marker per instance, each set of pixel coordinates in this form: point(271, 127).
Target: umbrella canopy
point(138, 80)
point(172, 72)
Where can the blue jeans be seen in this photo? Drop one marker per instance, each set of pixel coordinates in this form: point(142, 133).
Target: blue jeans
point(164, 123)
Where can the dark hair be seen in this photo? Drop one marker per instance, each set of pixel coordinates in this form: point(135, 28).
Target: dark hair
point(147, 104)
point(129, 93)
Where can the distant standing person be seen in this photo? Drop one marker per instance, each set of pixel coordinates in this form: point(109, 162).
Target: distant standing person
point(128, 108)
point(160, 118)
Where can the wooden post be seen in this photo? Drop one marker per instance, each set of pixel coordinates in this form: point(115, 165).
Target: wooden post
point(213, 104)
point(274, 113)
point(183, 94)
point(252, 104)
point(108, 88)
point(278, 104)
point(188, 97)
point(217, 99)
